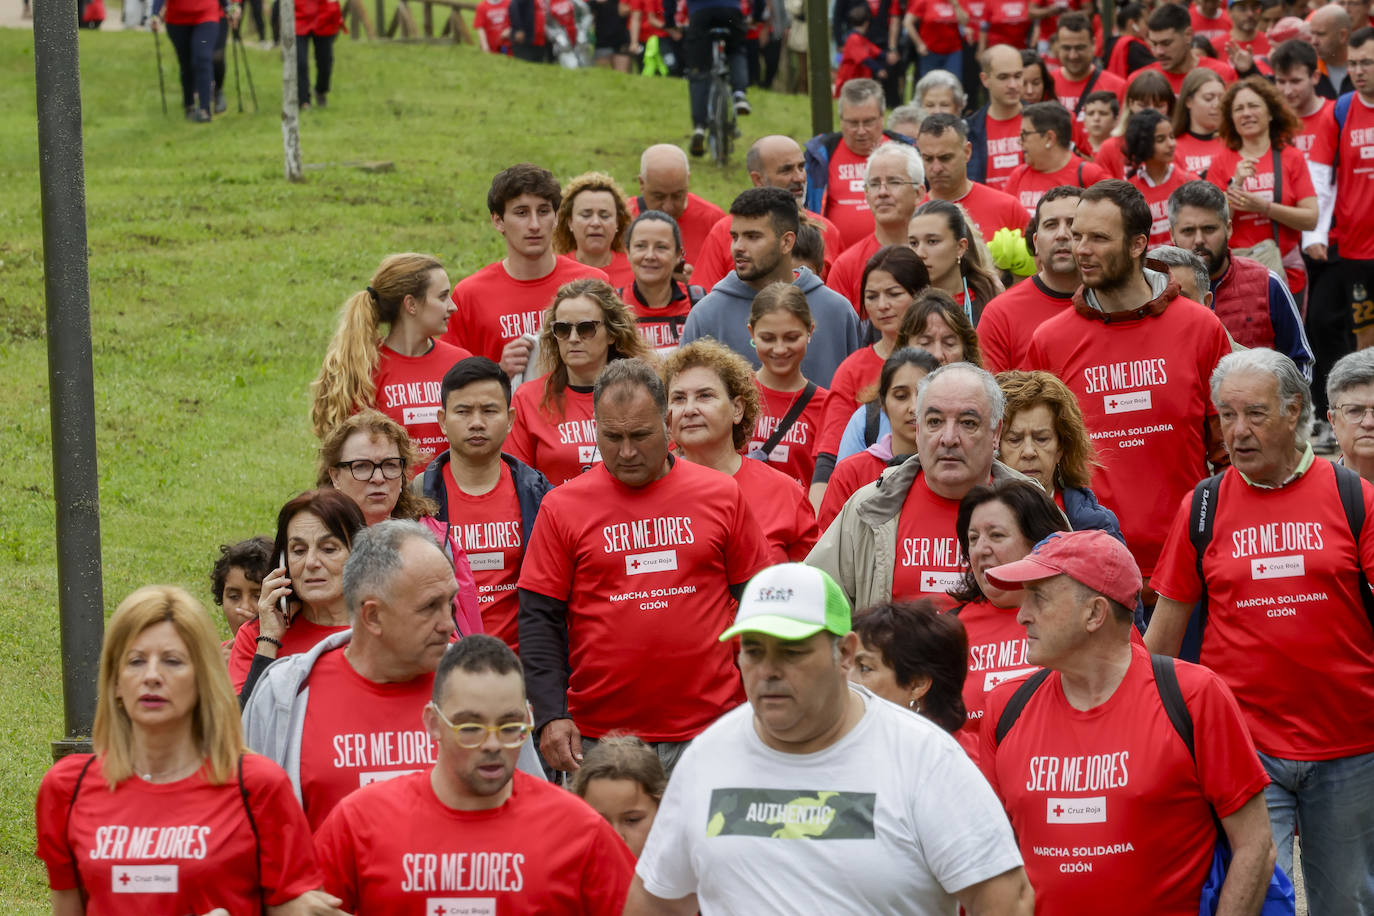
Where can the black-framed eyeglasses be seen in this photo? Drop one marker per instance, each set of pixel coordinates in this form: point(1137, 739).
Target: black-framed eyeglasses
point(563, 329)
point(1028, 133)
point(474, 734)
point(362, 469)
point(1354, 413)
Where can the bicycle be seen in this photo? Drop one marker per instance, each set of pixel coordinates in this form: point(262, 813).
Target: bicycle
point(721, 125)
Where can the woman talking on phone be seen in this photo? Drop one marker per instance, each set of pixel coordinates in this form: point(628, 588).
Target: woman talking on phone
point(302, 598)
point(172, 814)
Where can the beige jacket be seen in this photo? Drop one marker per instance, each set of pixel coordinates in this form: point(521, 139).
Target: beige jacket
point(860, 547)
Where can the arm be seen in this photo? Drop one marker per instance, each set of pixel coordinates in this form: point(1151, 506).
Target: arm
point(311, 903)
point(67, 903)
point(909, 24)
point(1167, 626)
point(1289, 336)
point(642, 903)
point(1252, 858)
point(1326, 203)
point(1007, 894)
point(893, 25)
point(1302, 215)
point(543, 625)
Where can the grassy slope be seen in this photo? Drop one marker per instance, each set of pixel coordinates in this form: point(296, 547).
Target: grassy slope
point(214, 288)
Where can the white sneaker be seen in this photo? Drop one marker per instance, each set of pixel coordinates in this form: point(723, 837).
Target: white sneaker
point(742, 106)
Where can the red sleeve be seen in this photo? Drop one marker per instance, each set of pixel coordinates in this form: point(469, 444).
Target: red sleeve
point(746, 552)
point(609, 866)
point(1297, 181)
point(1093, 173)
point(1366, 545)
point(993, 343)
point(520, 443)
point(335, 847)
point(1175, 576)
point(1221, 346)
point(1228, 766)
point(287, 854)
point(838, 408)
point(241, 656)
point(547, 568)
point(805, 532)
point(1324, 139)
point(916, 8)
point(54, 798)
point(1222, 168)
point(836, 493)
point(713, 260)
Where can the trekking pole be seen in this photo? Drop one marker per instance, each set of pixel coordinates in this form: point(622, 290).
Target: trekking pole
point(238, 88)
point(161, 84)
point(248, 72)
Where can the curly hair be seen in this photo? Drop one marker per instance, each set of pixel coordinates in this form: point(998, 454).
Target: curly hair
point(563, 241)
point(1284, 125)
point(938, 302)
point(1138, 143)
point(617, 321)
point(734, 373)
point(345, 381)
point(374, 423)
point(1025, 390)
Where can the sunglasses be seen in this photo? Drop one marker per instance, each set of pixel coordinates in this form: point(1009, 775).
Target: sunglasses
point(563, 329)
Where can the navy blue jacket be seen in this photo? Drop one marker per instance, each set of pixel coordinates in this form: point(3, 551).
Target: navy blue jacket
point(530, 487)
point(977, 124)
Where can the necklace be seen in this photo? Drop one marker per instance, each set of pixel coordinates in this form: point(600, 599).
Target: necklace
point(179, 772)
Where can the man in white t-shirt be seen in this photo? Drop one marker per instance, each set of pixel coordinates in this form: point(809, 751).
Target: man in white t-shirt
point(751, 816)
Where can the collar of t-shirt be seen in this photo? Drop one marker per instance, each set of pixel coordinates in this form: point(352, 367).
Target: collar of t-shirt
point(582, 389)
point(1304, 463)
point(1044, 288)
point(677, 293)
point(1158, 284)
point(1145, 175)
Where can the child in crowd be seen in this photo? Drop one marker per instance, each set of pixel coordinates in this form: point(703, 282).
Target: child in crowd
point(236, 582)
point(859, 57)
point(1101, 109)
point(623, 779)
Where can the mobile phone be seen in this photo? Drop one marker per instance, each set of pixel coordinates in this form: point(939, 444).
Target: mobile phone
point(281, 602)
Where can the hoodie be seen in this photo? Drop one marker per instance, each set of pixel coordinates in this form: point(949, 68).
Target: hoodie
point(723, 314)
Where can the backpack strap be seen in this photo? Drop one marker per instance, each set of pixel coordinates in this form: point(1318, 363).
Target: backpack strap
point(1087, 90)
point(1080, 182)
point(789, 418)
point(1341, 112)
point(1201, 517)
point(1278, 192)
point(66, 829)
point(1352, 501)
point(1018, 702)
point(1166, 682)
point(257, 837)
point(872, 421)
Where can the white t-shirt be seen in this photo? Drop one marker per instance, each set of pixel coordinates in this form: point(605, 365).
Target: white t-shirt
point(893, 818)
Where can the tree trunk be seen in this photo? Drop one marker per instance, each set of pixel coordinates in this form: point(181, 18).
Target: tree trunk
point(290, 100)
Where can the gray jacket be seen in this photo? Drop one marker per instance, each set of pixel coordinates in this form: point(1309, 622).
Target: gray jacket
point(859, 548)
point(723, 313)
point(274, 719)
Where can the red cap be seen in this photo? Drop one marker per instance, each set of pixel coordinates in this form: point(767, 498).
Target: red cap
point(1092, 558)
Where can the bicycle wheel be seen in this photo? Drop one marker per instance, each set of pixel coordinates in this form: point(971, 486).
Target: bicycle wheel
point(720, 132)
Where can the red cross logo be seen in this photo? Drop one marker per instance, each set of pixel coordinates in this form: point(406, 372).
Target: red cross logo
point(124, 878)
point(439, 911)
point(930, 580)
point(1058, 810)
point(1112, 403)
point(1261, 567)
point(634, 564)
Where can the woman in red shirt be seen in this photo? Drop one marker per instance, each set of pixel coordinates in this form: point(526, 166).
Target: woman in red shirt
point(712, 406)
point(659, 302)
point(172, 814)
point(1197, 117)
point(1147, 89)
point(915, 656)
point(1258, 127)
point(400, 373)
point(780, 328)
point(586, 327)
point(591, 225)
point(317, 22)
point(1149, 147)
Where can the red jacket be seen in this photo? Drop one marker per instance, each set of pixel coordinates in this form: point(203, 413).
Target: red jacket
point(318, 17)
point(1241, 301)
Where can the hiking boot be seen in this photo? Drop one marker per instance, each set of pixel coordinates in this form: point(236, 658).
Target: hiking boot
point(321, 100)
point(200, 116)
point(742, 106)
point(190, 112)
point(221, 103)
point(699, 141)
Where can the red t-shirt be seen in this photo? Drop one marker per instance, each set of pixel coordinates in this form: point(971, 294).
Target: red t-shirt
point(300, 636)
point(1008, 22)
point(1143, 387)
point(191, 12)
point(1355, 181)
point(408, 392)
point(695, 222)
point(488, 528)
point(1286, 628)
point(1318, 132)
point(358, 732)
point(991, 209)
point(1106, 803)
point(845, 203)
point(1028, 185)
point(1120, 55)
point(996, 654)
point(1197, 154)
point(1216, 30)
point(395, 848)
point(1006, 326)
point(847, 273)
point(795, 455)
point(493, 18)
point(166, 849)
point(1157, 196)
point(929, 562)
point(619, 270)
point(1111, 158)
point(1070, 91)
point(565, 14)
point(937, 25)
point(649, 10)
point(1252, 228)
point(784, 515)
point(714, 260)
point(645, 567)
point(850, 475)
point(661, 328)
point(494, 308)
point(859, 370)
point(1222, 69)
point(1004, 150)
point(559, 446)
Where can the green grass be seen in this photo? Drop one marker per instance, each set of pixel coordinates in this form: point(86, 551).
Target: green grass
point(214, 287)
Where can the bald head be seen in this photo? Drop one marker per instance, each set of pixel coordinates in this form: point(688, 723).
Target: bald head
point(1001, 76)
point(1330, 28)
point(776, 161)
point(663, 179)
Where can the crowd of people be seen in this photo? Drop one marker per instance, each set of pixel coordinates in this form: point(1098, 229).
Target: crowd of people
point(954, 492)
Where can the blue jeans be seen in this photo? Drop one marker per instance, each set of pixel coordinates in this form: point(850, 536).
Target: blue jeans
point(1331, 803)
point(195, 47)
point(953, 62)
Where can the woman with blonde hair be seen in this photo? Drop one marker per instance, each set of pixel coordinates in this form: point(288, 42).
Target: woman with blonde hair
point(712, 406)
point(398, 374)
point(172, 814)
point(1197, 118)
point(591, 225)
point(585, 328)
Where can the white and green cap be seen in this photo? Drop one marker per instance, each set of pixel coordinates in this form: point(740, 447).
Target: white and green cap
point(791, 601)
